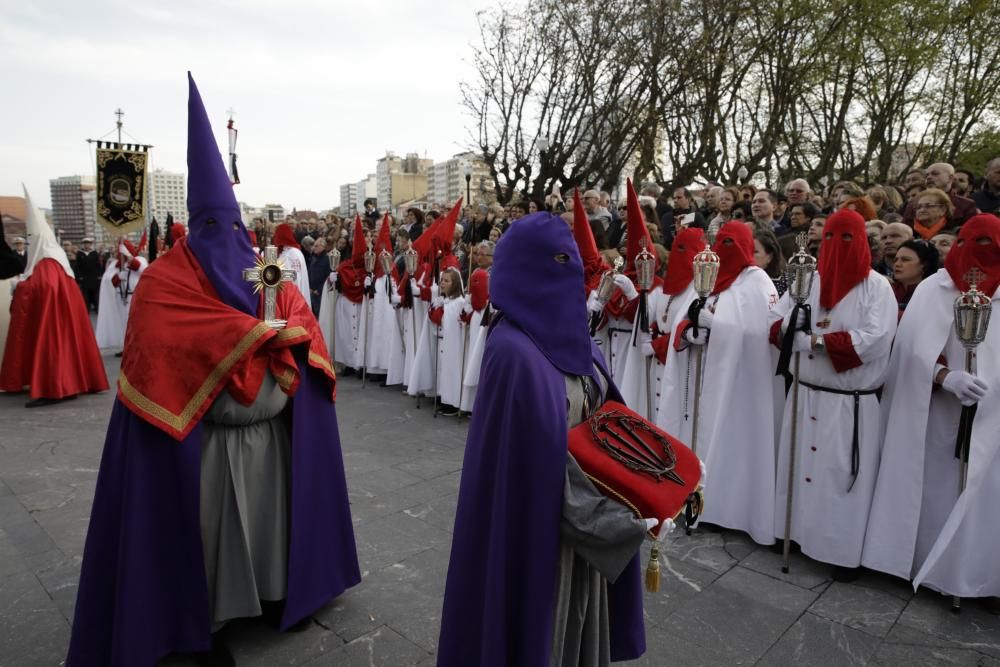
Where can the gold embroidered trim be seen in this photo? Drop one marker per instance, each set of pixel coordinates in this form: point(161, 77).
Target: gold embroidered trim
point(294, 332)
point(179, 422)
point(286, 379)
point(323, 363)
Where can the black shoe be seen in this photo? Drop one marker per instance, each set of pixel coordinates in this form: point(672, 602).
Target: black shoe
point(118, 354)
point(846, 575)
point(40, 402)
point(217, 656)
point(347, 372)
point(448, 411)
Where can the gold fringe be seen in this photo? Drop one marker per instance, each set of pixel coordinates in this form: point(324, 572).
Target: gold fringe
point(653, 570)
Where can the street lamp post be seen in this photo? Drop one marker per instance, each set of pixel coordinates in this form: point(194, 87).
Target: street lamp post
point(542, 144)
point(467, 170)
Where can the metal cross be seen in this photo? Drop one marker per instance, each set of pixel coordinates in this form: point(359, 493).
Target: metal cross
point(270, 275)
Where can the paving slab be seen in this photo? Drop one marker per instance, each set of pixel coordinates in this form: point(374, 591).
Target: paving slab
point(867, 609)
point(741, 615)
point(822, 643)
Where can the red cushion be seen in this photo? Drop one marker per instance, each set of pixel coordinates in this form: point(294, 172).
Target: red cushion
point(651, 495)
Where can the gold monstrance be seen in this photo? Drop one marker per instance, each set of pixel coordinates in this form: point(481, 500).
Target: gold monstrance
point(269, 275)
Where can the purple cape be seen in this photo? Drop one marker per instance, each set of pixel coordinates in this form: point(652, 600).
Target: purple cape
point(499, 601)
point(143, 592)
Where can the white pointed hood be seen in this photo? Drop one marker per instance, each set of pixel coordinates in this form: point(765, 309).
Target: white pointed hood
point(42, 243)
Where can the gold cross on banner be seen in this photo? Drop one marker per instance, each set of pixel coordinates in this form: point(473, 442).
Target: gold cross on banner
point(270, 275)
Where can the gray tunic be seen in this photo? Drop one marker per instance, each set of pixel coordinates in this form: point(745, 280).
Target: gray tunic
point(599, 538)
point(244, 502)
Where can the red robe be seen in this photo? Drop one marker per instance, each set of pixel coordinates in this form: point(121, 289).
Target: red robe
point(50, 346)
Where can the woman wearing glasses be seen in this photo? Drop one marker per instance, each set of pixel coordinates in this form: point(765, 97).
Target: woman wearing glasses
point(932, 213)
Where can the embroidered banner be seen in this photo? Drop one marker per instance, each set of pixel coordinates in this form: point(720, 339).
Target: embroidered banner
point(121, 187)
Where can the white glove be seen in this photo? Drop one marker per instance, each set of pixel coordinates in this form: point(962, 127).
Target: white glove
point(645, 342)
point(467, 304)
point(414, 287)
point(666, 527)
point(800, 321)
point(331, 281)
point(594, 304)
point(368, 281)
point(624, 283)
point(394, 298)
point(700, 339)
point(437, 302)
point(705, 318)
point(802, 342)
point(967, 387)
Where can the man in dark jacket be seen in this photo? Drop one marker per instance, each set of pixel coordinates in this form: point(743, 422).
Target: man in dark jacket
point(89, 270)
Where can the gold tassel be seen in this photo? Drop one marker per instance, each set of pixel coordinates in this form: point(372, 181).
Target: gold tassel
point(653, 570)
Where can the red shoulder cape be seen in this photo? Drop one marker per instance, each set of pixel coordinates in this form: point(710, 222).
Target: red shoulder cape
point(183, 346)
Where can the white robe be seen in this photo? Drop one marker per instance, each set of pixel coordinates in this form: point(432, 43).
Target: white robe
point(292, 258)
point(736, 421)
point(327, 313)
point(643, 390)
point(410, 319)
point(422, 379)
point(396, 371)
point(384, 328)
point(451, 350)
point(112, 312)
point(473, 359)
point(619, 339)
point(950, 545)
point(5, 298)
point(917, 485)
point(350, 333)
point(828, 520)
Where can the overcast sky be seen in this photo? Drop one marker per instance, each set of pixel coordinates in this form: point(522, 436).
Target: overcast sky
point(321, 88)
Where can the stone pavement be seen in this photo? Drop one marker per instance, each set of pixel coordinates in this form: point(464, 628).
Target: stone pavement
point(724, 601)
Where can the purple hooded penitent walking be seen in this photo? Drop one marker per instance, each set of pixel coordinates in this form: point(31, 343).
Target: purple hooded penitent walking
point(500, 597)
point(143, 587)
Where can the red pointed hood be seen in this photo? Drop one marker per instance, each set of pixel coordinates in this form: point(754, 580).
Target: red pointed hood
point(284, 237)
point(445, 233)
point(382, 242)
point(972, 250)
point(680, 269)
point(424, 245)
point(177, 232)
point(636, 230)
point(734, 246)
point(844, 256)
point(479, 289)
point(593, 263)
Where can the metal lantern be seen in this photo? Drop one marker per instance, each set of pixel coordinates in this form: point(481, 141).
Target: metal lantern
point(706, 271)
point(972, 312)
point(385, 259)
point(607, 285)
point(334, 257)
point(410, 258)
point(800, 271)
point(645, 267)
point(369, 259)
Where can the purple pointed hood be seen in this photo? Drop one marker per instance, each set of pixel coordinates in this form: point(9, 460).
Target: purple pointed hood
point(216, 234)
point(537, 282)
